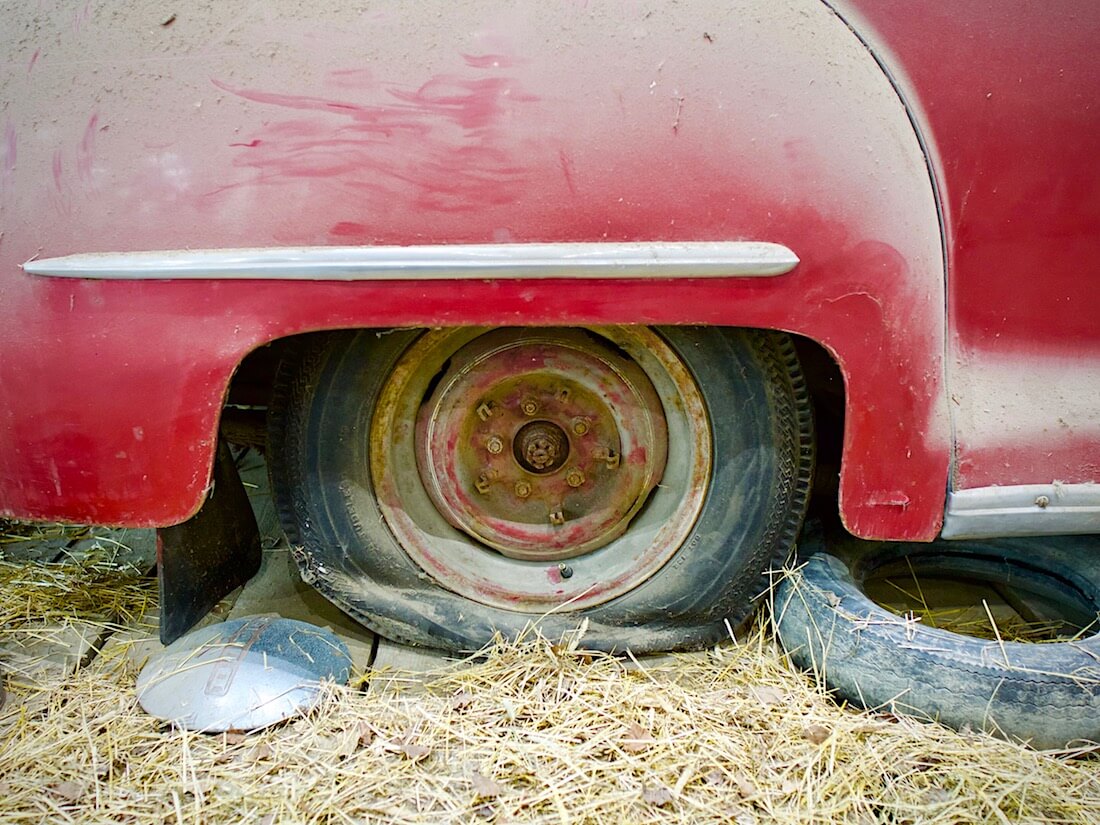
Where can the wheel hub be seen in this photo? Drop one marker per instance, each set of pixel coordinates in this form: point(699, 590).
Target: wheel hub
point(541, 447)
point(586, 432)
point(491, 510)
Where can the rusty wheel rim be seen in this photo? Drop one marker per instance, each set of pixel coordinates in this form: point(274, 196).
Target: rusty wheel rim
point(544, 446)
point(538, 469)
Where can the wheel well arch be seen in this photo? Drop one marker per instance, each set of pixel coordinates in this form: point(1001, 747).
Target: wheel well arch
point(248, 396)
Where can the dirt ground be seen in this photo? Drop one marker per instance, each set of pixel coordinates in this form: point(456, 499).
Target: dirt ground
point(533, 730)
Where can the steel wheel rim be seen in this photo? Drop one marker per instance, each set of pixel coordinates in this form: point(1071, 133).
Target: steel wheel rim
point(610, 558)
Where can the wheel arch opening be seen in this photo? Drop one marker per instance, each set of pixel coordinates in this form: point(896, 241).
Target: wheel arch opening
point(244, 414)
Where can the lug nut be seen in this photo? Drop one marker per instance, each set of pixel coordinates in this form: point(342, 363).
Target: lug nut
point(523, 489)
point(608, 456)
point(494, 445)
point(529, 406)
point(566, 571)
point(580, 426)
point(574, 478)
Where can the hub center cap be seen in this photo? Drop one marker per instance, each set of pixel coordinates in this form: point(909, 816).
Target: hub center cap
point(541, 447)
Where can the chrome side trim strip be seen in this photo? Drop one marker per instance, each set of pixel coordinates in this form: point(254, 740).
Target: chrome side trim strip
point(735, 259)
point(1024, 510)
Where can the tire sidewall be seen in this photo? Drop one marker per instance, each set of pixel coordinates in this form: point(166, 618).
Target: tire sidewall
point(1048, 694)
point(755, 500)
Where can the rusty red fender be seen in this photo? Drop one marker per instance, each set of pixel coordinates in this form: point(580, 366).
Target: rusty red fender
point(430, 126)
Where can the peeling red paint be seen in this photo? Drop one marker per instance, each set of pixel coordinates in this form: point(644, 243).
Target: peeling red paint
point(85, 153)
point(567, 170)
point(11, 149)
point(57, 169)
point(447, 170)
point(350, 230)
point(490, 61)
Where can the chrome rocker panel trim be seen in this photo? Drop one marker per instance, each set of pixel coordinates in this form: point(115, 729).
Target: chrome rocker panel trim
point(1023, 510)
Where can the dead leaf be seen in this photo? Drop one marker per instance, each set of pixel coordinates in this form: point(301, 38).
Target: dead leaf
point(657, 702)
point(744, 785)
point(366, 735)
point(200, 787)
point(484, 787)
point(348, 743)
point(68, 790)
point(269, 819)
point(936, 796)
point(816, 733)
point(412, 750)
point(235, 738)
point(870, 727)
point(461, 700)
point(637, 739)
point(715, 779)
point(325, 743)
point(262, 750)
point(766, 695)
point(658, 796)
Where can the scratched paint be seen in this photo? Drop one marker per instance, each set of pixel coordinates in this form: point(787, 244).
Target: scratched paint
point(11, 156)
point(446, 140)
point(1026, 420)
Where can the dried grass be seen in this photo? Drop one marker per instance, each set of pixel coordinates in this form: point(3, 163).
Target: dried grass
point(14, 532)
point(530, 731)
point(535, 733)
point(91, 588)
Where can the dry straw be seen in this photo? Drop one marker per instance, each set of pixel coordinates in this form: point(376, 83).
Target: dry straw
point(529, 731)
point(91, 588)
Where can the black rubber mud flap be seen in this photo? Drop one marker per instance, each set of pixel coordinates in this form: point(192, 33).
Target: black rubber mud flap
point(204, 559)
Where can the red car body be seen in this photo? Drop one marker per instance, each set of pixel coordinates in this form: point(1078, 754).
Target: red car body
point(933, 166)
